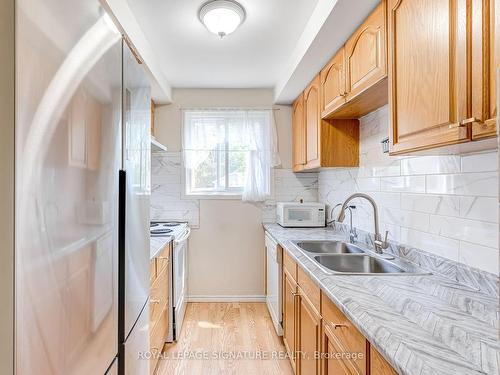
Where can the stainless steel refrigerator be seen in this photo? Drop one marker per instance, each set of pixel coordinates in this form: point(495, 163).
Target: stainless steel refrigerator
point(77, 131)
point(135, 192)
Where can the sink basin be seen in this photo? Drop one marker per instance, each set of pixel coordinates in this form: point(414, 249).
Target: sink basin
point(357, 264)
point(329, 247)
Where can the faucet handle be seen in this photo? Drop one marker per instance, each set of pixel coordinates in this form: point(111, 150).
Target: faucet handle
point(385, 244)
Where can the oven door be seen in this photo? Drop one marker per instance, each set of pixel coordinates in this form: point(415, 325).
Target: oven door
point(180, 274)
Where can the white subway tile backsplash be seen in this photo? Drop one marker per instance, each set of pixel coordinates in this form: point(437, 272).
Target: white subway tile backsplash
point(389, 200)
point(484, 162)
point(410, 184)
point(444, 204)
point(368, 184)
point(167, 202)
point(477, 256)
point(474, 184)
point(442, 246)
point(430, 165)
point(474, 231)
point(432, 204)
point(408, 219)
point(479, 208)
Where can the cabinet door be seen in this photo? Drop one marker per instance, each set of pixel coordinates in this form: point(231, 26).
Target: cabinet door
point(330, 364)
point(308, 337)
point(427, 73)
point(332, 80)
point(313, 121)
point(298, 135)
point(289, 315)
point(366, 61)
point(346, 338)
point(485, 44)
point(378, 365)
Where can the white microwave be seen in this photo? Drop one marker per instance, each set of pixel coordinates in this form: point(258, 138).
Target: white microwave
point(294, 214)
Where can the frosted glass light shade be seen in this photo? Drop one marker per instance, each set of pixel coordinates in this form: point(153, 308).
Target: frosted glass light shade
point(222, 17)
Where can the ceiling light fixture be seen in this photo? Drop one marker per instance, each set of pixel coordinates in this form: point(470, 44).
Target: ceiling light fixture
point(221, 17)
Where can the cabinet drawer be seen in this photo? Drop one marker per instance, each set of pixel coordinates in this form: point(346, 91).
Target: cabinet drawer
point(152, 271)
point(346, 335)
point(163, 259)
point(309, 288)
point(157, 340)
point(290, 265)
point(158, 297)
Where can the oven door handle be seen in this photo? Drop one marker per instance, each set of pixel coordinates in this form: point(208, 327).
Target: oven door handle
point(184, 236)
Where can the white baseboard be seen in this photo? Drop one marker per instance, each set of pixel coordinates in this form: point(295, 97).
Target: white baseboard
point(224, 298)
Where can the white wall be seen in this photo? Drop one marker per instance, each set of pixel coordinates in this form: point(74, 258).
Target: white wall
point(442, 204)
point(226, 254)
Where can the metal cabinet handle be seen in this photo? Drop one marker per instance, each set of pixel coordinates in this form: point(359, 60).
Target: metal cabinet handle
point(155, 301)
point(336, 325)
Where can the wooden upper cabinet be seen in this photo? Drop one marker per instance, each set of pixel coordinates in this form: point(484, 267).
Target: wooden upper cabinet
point(428, 73)
point(365, 51)
point(354, 83)
point(485, 20)
point(312, 124)
point(332, 79)
point(328, 143)
point(298, 135)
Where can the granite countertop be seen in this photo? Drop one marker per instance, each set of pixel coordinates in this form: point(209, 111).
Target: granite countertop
point(156, 244)
point(421, 324)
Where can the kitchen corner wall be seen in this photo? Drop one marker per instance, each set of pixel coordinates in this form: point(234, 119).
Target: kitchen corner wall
point(444, 204)
point(226, 247)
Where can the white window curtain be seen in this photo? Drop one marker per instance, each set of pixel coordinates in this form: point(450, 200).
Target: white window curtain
point(252, 131)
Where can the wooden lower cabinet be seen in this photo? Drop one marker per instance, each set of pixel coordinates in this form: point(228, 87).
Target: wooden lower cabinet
point(331, 364)
point(308, 337)
point(290, 316)
point(352, 348)
point(318, 337)
point(158, 304)
point(378, 365)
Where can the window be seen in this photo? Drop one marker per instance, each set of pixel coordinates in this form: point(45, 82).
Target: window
point(219, 151)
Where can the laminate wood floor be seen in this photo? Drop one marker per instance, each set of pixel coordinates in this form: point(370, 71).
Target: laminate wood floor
point(226, 339)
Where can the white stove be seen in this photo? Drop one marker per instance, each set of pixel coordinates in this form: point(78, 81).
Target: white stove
point(166, 228)
point(178, 272)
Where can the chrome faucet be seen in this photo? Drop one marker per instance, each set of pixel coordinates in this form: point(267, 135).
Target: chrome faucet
point(353, 235)
point(380, 244)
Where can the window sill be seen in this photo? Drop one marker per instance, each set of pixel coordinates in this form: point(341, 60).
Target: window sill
point(234, 197)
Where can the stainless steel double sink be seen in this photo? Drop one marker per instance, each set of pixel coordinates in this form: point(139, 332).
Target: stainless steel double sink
point(338, 257)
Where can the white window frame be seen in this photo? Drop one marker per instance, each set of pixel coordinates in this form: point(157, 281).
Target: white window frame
point(228, 193)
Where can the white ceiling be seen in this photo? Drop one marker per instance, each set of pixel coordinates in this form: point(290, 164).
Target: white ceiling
point(253, 56)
